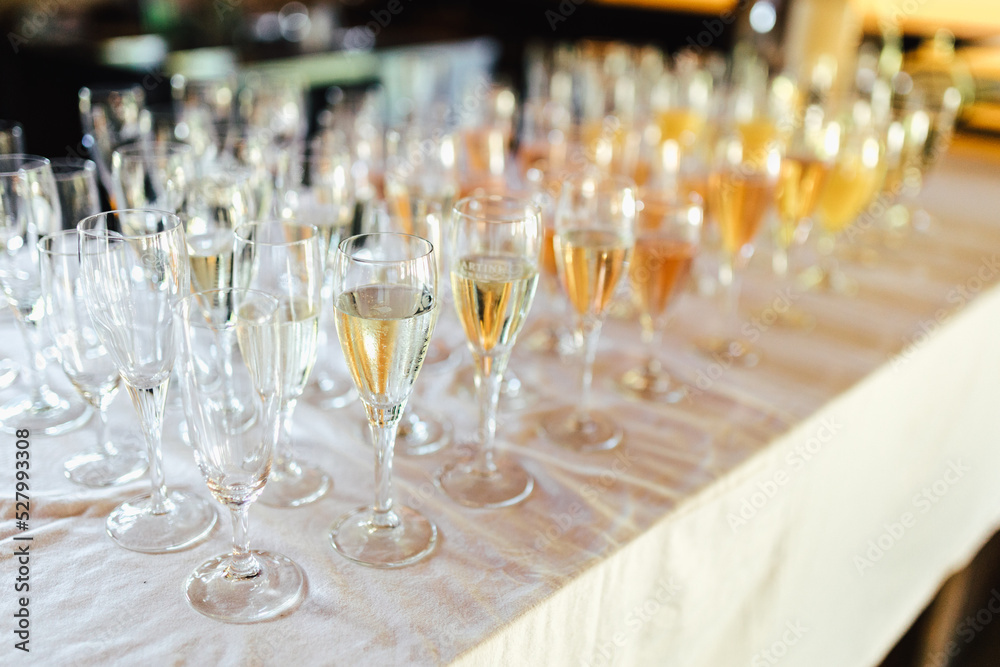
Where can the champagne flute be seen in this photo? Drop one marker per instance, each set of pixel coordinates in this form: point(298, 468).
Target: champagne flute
point(152, 175)
point(285, 260)
point(86, 362)
point(741, 186)
point(110, 118)
point(385, 288)
point(667, 237)
point(424, 432)
point(76, 183)
point(29, 209)
point(321, 193)
point(495, 247)
point(595, 232)
point(218, 204)
point(229, 338)
point(130, 280)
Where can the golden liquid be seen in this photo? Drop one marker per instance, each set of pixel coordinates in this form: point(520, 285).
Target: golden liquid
point(591, 263)
point(211, 257)
point(683, 126)
point(756, 135)
point(384, 331)
point(738, 204)
point(492, 297)
point(658, 270)
point(800, 183)
point(849, 187)
point(549, 252)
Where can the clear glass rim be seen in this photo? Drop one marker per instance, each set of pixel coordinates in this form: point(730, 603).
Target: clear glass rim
point(45, 242)
point(415, 241)
point(94, 232)
point(604, 182)
point(241, 232)
point(523, 204)
point(28, 162)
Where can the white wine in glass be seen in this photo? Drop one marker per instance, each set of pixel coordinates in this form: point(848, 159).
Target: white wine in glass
point(385, 288)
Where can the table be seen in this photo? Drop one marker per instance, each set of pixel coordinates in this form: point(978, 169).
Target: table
point(802, 512)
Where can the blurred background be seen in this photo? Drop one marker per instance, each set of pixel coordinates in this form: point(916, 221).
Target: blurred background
point(418, 60)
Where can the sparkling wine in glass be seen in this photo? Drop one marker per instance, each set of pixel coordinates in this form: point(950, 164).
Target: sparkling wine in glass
point(285, 260)
point(86, 362)
point(131, 280)
point(152, 175)
point(229, 339)
point(495, 248)
point(595, 233)
point(29, 209)
point(667, 237)
point(385, 288)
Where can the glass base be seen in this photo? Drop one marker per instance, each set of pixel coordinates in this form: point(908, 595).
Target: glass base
point(332, 392)
point(796, 318)
point(295, 484)
point(355, 537)
point(8, 373)
point(98, 469)
point(593, 432)
point(187, 521)
point(52, 416)
point(650, 382)
point(730, 352)
point(278, 587)
point(422, 434)
point(506, 484)
point(829, 281)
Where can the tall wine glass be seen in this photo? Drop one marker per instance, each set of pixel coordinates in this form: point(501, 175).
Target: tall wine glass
point(76, 183)
point(741, 187)
point(29, 209)
point(110, 118)
point(130, 280)
point(86, 362)
point(424, 432)
point(229, 338)
point(667, 237)
point(495, 247)
point(385, 293)
point(11, 141)
point(285, 260)
point(595, 232)
point(321, 193)
point(218, 203)
point(152, 175)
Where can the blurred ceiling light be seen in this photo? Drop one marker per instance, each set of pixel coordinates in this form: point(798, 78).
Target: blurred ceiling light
point(763, 17)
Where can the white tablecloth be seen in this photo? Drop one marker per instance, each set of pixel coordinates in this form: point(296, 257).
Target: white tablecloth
point(801, 512)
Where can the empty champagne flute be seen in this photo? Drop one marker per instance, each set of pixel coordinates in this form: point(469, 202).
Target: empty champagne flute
point(321, 193)
point(228, 340)
point(667, 236)
point(285, 260)
point(595, 232)
point(494, 247)
point(86, 362)
point(130, 282)
point(110, 118)
point(76, 183)
point(385, 288)
point(29, 209)
point(152, 175)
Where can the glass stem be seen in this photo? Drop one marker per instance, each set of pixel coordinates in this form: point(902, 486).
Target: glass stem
point(149, 404)
point(729, 279)
point(779, 260)
point(242, 565)
point(590, 332)
point(489, 371)
point(104, 445)
point(283, 460)
point(35, 371)
point(383, 424)
point(651, 336)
